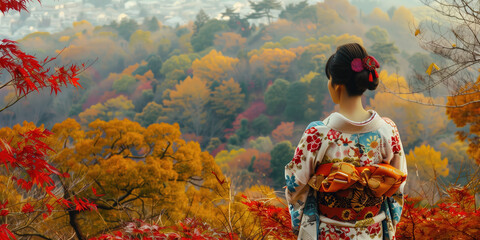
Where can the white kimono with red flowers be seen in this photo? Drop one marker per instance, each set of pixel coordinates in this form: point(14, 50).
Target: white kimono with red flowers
point(338, 139)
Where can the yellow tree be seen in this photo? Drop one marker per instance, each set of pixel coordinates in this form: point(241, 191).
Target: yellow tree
point(467, 115)
point(214, 67)
point(272, 63)
point(417, 123)
point(131, 172)
point(227, 99)
point(427, 163)
point(119, 107)
point(187, 104)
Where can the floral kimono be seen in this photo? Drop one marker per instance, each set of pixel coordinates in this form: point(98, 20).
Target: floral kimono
point(357, 214)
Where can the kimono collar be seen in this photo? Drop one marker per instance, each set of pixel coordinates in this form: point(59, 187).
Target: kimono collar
point(342, 124)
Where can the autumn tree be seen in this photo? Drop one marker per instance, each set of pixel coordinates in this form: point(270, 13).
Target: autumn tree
point(456, 73)
point(119, 107)
point(271, 64)
point(28, 179)
point(226, 100)
point(416, 123)
point(229, 42)
point(187, 104)
point(284, 131)
point(134, 172)
point(214, 67)
point(467, 117)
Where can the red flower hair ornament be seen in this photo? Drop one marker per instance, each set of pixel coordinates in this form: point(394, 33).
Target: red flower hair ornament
point(369, 63)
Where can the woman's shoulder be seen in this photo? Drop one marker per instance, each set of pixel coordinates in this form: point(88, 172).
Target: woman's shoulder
point(315, 124)
point(388, 126)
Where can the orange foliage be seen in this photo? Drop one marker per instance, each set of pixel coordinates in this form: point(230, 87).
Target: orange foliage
point(467, 115)
point(283, 131)
point(273, 62)
point(214, 67)
point(229, 41)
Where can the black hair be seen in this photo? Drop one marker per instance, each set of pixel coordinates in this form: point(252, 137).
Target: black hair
point(340, 69)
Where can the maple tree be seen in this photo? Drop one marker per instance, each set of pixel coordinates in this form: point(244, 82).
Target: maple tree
point(24, 150)
point(456, 216)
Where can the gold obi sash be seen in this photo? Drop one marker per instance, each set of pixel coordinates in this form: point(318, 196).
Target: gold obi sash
point(349, 193)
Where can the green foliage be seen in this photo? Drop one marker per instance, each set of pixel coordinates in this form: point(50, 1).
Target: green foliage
point(206, 34)
point(377, 35)
point(175, 67)
point(125, 84)
point(151, 24)
point(261, 125)
point(164, 47)
point(384, 53)
point(264, 9)
point(243, 132)
point(313, 58)
point(292, 10)
point(150, 114)
point(275, 96)
point(317, 91)
point(200, 20)
point(146, 97)
point(155, 65)
point(262, 144)
point(281, 155)
point(419, 62)
point(287, 40)
point(296, 101)
point(126, 28)
point(308, 14)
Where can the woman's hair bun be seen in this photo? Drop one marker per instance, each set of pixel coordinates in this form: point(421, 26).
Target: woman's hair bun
point(343, 70)
point(362, 80)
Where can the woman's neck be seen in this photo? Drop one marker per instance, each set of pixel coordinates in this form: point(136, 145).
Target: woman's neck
point(352, 108)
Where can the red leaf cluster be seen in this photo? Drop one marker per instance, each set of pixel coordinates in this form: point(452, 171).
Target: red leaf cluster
point(5, 233)
point(455, 217)
point(27, 208)
point(17, 5)
point(29, 154)
point(275, 221)
point(28, 74)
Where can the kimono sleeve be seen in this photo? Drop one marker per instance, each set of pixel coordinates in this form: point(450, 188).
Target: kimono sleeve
point(395, 156)
point(299, 171)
